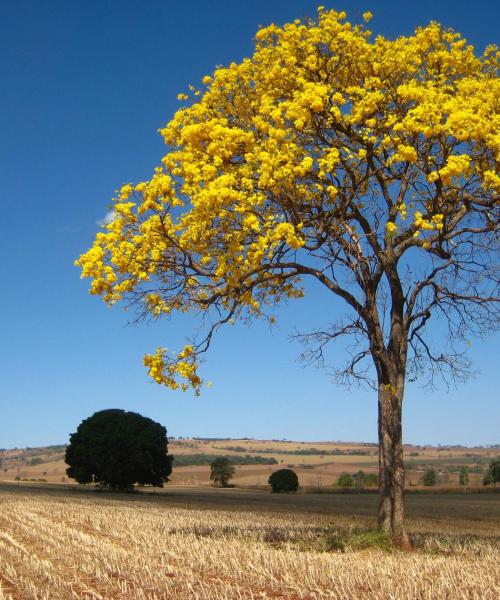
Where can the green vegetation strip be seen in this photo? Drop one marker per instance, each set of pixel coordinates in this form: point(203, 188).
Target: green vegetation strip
point(189, 460)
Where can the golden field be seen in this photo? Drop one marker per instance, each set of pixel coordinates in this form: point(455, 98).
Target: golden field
point(207, 544)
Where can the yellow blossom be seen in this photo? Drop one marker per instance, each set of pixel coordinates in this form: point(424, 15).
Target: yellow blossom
point(391, 228)
point(320, 144)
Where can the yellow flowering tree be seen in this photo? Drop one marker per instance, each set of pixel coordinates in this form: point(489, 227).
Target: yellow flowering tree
point(369, 166)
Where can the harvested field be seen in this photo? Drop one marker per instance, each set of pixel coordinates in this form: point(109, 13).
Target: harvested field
point(62, 544)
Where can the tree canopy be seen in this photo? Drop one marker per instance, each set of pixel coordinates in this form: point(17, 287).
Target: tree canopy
point(429, 477)
point(492, 475)
point(115, 448)
point(284, 480)
point(325, 148)
point(221, 471)
point(367, 165)
point(345, 480)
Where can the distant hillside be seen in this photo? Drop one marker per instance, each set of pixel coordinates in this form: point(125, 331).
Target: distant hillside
point(318, 464)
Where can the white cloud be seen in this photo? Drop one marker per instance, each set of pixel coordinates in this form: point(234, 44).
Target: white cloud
point(108, 218)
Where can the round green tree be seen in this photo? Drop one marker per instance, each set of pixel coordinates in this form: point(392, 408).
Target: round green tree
point(115, 449)
point(345, 480)
point(284, 480)
point(429, 478)
point(221, 471)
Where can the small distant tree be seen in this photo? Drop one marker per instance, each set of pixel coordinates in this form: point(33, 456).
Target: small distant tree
point(487, 478)
point(492, 475)
point(345, 480)
point(284, 480)
point(359, 479)
point(371, 480)
point(495, 470)
point(116, 449)
point(464, 478)
point(430, 477)
point(221, 471)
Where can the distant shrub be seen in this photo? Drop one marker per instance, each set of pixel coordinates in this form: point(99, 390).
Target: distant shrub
point(495, 470)
point(345, 480)
point(359, 479)
point(371, 480)
point(492, 475)
point(188, 460)
point(430, 477)
point(284, 480)
point(487, 479)
point(35, 461)
point(299, 452)
point(463, 477)
point(233, 448)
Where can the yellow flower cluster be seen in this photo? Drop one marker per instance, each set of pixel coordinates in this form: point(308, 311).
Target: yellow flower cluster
point(491, 180)
point(457, 165)
point(166, 371)
point(284, 151)
point(406, 153)
point(435, 223)
point(156, 305)
point(391, 228)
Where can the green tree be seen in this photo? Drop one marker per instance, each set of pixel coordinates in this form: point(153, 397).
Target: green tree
point(463, 477)
point(284, 480)
point(221, 471)
point(487, 478)
point(430, 477)
point(371, 480)
point(365, 166)
point(492, 475)
point(359, 479)
point(495, 470)
point(345, 480)
point(116, 449)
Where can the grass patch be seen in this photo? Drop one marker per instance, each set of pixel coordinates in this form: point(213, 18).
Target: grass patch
point(352, 540)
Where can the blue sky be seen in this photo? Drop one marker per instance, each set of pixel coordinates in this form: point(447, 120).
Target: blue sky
point(85, 87)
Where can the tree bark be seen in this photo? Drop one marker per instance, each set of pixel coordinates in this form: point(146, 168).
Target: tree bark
point(391, 464)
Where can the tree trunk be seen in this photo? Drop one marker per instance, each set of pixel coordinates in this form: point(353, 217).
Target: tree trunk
point(391, 464)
